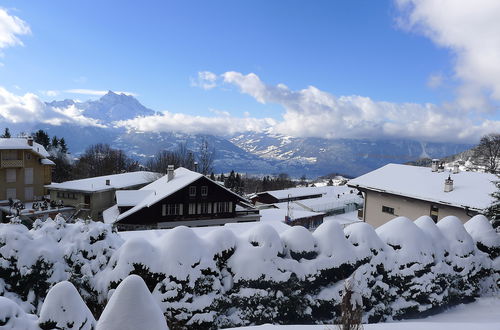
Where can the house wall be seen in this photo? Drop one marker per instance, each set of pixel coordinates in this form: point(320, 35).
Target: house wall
point(153, 215)
point(403, 206)
point(42, 175)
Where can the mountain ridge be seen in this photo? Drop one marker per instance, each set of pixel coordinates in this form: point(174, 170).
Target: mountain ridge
point(248, 152)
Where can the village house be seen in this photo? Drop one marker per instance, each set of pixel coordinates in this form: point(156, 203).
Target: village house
point(182, 197)
point(411, 191)
point(91, 196)
point(24, 169)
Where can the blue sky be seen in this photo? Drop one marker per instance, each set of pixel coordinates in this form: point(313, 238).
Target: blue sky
point(393, 53)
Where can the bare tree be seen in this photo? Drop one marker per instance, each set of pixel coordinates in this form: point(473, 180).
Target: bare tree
point(487, 153)
point(206, 155)
point(161, 160)
point(101, 159)
point(351, 310)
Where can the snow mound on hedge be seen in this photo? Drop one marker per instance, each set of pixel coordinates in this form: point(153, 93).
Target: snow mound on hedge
point(65, 308)
point(482, 231)
point(332, 243)
point(298, 239)
point(132, 307)
point(365, 239)
point(256, 255)
point(13, 317)
point(439, 242)
point(460, 242)
point(409, 242)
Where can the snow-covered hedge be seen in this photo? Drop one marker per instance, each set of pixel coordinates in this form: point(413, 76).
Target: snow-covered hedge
point(221, 280)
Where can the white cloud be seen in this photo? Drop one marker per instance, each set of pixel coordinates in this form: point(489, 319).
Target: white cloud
point(51, 93)
point(11, 27)
point(206, 80)
point(28, 108)
point(311, 112)
point(470, 29)
point(435, 80)
point(94, 92)
point(221, 125)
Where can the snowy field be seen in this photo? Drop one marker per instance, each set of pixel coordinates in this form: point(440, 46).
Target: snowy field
point(483, 314)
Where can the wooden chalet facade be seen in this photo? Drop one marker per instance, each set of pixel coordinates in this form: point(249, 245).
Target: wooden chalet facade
point(181, 198)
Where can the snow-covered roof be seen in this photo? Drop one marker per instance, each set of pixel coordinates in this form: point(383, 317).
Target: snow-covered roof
point(163, 188)
point(131, 197)
point(295, 192)
point(22, 144)
point(46, 161)
point(116, 181)
point(470, 189)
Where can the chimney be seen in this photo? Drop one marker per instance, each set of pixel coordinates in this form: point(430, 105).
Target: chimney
point(30, 141)
point(170, 173)
point(448, 184)
point(435, 165)
point(441, 168)
point(108, 182)
point(456, 168)
point(196, 166)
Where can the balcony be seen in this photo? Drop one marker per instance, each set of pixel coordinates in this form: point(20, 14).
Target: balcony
point(6, 163)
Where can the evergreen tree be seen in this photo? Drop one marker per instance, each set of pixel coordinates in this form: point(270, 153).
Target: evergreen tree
point(42, 138)
point(212, 176)
point(6, 133)
point(55, 142)
point(493, 211)
point(62, 144)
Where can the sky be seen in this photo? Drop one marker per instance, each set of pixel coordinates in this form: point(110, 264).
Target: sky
point(417, 69)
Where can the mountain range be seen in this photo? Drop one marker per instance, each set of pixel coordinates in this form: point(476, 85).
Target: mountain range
point(248, 152)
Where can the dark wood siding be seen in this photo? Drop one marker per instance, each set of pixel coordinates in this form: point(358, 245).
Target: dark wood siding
point(215, 194)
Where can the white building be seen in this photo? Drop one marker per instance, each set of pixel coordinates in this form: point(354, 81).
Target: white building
point(91, 196)
point(411, 191)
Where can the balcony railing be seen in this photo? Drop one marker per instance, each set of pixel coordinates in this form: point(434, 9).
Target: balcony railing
point(12, 163)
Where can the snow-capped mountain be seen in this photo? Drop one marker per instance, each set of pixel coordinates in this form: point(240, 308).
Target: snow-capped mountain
point(110, 107)
point(346, 156)
point(251, 152)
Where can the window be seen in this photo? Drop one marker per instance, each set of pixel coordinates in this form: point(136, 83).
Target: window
point(204, 191)
point(10, 175)
point(171, 209)
point(434, 213)
point(11, 193)
point(192, 208)
point(28, 175)
point(387, 209)
point(223, 207)
point(192, 191)
point(28, 193)
point(205, 208)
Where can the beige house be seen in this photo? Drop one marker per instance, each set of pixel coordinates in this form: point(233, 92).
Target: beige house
point(411, 191)
point(91, 196)
point(24, 169)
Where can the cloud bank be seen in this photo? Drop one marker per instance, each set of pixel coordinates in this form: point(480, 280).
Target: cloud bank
point(470, 30)
point(28, 108)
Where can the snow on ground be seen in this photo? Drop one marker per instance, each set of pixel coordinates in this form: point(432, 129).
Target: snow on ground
point(483, 314)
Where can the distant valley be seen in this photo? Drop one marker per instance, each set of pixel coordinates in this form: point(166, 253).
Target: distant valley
point(249, 152)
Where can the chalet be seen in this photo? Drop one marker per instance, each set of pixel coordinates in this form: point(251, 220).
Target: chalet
point(91, 196)
point(182, 197)
point(24, 169)
point(411, 191)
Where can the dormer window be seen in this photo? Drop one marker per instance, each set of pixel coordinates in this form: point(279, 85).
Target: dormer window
point(192, 191)
point(204, 191)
